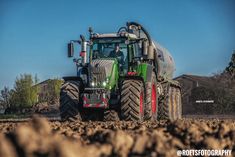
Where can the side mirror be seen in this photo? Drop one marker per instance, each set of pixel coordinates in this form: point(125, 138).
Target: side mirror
point(70, 49)
point(145, 48)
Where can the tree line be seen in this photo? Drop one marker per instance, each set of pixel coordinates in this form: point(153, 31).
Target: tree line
point(222, 91)
point(25, 92)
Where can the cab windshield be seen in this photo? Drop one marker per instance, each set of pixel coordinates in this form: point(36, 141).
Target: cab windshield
point(109, 48)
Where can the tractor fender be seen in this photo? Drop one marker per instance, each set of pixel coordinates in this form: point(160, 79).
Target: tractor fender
point(75, 78)
point(134, 78)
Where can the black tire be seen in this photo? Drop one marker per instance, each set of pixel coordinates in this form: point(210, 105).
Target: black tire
point(170, 107)
point(151, 109)
point(70, 101)
point(132, 100)
point(176, 102)
point(164, 108)
point(111, 115)
point(179, 103)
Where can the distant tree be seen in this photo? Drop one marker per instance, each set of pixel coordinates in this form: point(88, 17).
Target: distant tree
point(25, 93)
point(53, 90)
point(224, 88)
point(231, 67)
point(5, 96)
point(36, 79)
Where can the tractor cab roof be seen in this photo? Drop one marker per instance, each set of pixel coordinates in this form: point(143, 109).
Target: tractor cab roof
point(130, 36)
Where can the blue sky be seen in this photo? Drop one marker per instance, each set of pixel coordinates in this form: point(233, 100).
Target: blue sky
point(200, 34)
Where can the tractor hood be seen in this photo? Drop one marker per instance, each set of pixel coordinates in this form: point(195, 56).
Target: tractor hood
point(103, 70)
point(106, 63)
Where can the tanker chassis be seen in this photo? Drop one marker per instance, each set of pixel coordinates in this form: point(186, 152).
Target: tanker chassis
point(135, 83)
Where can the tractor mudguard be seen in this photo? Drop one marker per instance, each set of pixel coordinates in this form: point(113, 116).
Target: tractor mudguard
point(133, 77)
point(145, 71)
point(74, 78)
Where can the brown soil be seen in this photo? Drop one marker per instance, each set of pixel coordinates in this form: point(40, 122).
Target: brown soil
point(41, 138)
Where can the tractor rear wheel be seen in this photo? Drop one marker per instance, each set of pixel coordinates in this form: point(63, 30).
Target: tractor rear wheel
point(70, 101)
point(132, 100)
point(151, 110)
point(171, 106)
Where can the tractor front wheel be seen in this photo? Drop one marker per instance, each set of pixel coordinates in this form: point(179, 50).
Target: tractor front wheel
point(132, 100)
point(70, 101)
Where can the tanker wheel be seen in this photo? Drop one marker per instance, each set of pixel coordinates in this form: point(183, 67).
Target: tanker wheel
point(151, 99)
point(69, 101)
point(132, 100)
point(171, 107)
point(179, 103)
point(111, 115)
point(175, 99)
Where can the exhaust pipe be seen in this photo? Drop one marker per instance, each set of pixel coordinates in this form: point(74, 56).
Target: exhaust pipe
point(83, 52)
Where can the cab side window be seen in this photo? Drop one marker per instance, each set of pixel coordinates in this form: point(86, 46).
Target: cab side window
point(134, 50)
point(137, 50)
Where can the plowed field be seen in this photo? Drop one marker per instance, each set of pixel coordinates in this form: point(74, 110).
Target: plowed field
point(40, 138)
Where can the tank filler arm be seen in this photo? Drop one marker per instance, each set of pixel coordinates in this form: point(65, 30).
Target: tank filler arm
point(141, 28)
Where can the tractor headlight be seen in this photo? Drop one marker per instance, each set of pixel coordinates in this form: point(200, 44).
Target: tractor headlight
point(104, 83)
point(92, 84)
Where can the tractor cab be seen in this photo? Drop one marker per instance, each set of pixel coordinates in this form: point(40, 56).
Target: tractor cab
point(114, 47)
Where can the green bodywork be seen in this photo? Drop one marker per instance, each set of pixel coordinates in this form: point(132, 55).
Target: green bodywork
point(114, 76)
point(142, 69)
point(112, 80)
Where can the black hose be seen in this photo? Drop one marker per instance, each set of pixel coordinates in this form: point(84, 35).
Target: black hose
point(142, 28)
point(121, 29)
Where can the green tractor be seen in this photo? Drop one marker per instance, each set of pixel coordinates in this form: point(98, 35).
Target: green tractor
point(121, 76)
